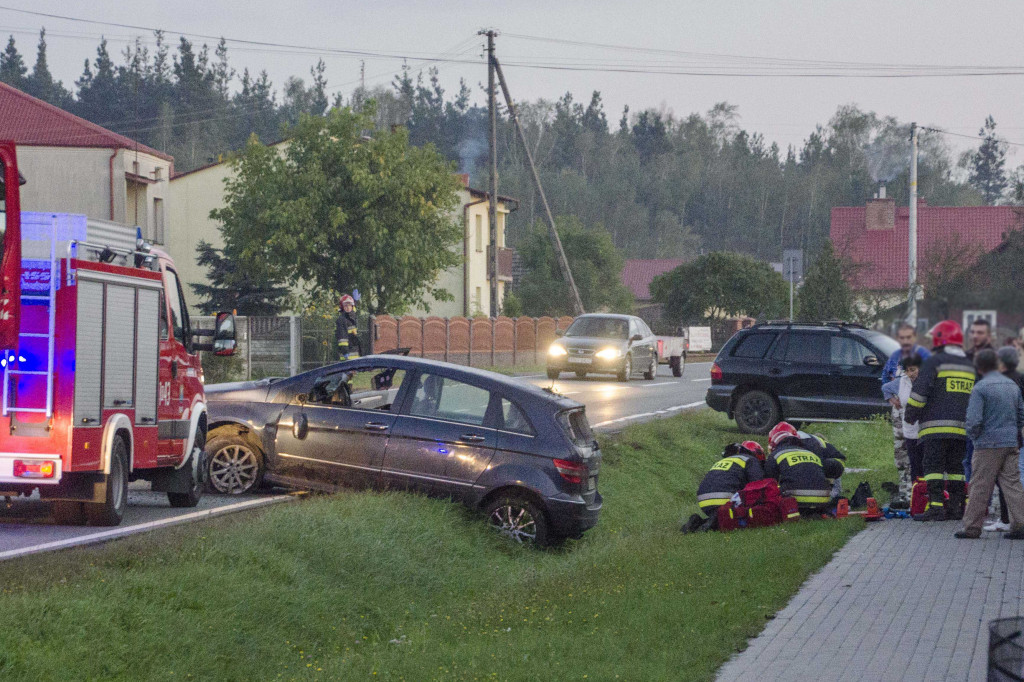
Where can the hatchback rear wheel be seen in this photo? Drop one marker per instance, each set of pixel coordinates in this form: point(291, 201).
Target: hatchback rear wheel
point(518, 518)
point(756, 412)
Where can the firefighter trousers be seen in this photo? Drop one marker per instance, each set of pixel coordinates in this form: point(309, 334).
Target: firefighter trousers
point(944, 470)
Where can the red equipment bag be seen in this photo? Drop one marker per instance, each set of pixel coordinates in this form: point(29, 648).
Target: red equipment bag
point(789, 509)
point(733, 518)
point(919, 498)
point(765, 491)
point(762, 515)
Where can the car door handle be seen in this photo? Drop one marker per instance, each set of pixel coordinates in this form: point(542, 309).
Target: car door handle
point(375, 426)
point(472, 438)
point(775, 370)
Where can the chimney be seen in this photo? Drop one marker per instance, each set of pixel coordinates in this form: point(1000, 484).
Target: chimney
point(881, 191)
point(464, 177)
point(880, 213)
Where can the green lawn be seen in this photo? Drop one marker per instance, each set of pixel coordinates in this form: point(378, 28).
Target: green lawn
point(400, 587)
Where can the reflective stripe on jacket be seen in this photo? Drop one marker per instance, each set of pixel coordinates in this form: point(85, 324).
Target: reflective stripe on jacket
point(727, 477)
point(799, 472)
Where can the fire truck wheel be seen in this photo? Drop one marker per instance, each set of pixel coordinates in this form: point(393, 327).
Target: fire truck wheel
point(192, 497)
point(236, 466)
point(68, 513)
point(111, 510)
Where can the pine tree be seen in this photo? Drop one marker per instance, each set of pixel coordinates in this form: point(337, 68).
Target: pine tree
point(988, 164)
point(825, 294)
point(233, 286)
point(12, 66)
point(41, 84)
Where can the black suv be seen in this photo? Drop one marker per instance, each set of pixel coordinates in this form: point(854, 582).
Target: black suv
point(800, 372)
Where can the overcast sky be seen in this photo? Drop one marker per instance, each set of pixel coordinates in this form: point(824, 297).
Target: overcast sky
point(783, 109)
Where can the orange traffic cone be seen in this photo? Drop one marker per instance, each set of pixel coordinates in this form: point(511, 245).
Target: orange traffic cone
point(873, 512)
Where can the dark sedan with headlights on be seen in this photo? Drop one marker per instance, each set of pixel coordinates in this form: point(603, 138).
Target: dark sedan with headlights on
point(622, 345)
point(524, 456)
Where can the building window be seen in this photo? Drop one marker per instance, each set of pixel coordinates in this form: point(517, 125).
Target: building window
point(479, 233)
point(477, 301)
point(158, 220)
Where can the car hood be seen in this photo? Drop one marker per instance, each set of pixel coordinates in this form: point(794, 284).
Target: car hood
point(239, 390)
point(591, 342)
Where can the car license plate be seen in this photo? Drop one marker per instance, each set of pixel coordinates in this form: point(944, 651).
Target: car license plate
point(580, 361)
point(591, 483)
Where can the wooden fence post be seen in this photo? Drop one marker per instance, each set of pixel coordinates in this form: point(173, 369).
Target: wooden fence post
point(469, 356)
point(447, 338)
point(535, 341)
point(493, 321)
point(515, 339)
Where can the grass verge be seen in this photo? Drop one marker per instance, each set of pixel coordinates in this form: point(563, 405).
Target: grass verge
point(400, 587)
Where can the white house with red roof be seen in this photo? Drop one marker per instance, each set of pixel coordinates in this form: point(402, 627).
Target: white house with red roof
point(637, 275)
point(875, 236)
point(75, 166)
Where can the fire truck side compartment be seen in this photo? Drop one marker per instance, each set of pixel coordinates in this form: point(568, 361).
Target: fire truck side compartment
point(88, 353)
point(119, 348)
point(147, 353)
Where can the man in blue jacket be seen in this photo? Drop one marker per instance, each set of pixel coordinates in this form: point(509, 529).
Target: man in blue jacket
point(995, 418)
point(907, 337)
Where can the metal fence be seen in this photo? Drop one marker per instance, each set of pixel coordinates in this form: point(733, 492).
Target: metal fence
point(286, 345)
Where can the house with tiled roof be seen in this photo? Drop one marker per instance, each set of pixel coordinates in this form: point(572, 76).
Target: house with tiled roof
point(637, 275)
point(875, 237)
point(75, 166)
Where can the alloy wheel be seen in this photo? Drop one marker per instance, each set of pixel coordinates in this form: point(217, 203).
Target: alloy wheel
point(515, 522)
point(234, 469)
point(756, 411)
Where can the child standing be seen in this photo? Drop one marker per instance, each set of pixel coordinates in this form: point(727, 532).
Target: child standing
point(897, 392)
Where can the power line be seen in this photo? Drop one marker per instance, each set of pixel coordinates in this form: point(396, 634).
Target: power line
point(969, 137)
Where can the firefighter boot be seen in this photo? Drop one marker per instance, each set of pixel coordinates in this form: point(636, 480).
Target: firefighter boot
point(957, 500)
point(935, 512)
point(692, 524)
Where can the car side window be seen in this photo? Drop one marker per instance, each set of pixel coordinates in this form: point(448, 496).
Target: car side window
point(848, 351)
point(808, 348)
point(367, 388)
point(754, 346)
point(513, 418)
point(444, 398)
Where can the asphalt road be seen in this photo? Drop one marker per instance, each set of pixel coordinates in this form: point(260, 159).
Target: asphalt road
point(612, 405)
point(26, 527)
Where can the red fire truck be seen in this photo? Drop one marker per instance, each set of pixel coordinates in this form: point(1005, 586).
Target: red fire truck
point(101, 377)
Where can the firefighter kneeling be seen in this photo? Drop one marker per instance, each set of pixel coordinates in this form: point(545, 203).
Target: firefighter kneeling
point(740, 464)
point(802, 473)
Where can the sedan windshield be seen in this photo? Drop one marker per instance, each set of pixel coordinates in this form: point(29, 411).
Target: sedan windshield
point(598, 327)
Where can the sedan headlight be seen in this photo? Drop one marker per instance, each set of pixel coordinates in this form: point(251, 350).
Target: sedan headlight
point(609, 353)
point(556, 350)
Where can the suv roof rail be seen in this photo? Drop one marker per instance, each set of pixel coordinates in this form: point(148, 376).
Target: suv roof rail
point(826, 323)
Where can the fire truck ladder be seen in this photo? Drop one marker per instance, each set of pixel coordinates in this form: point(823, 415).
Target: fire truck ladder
point(50, 300)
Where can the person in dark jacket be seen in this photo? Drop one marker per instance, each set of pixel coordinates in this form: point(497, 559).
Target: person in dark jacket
point(345, 329)
point(938, 405)
point(802, 473)
point(740, 464)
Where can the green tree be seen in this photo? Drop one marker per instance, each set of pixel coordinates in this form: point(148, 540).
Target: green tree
point(718, 285)
point(988, 164)
point(337, 211)
point(41, 84)
point(236, 284)
point(596, 267)
point(825, 293)
point(12, 66)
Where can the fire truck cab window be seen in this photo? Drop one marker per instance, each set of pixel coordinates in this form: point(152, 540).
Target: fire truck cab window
point(179, 314)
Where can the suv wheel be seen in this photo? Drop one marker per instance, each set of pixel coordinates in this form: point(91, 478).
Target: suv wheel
point(756, 412)
point(518, 518)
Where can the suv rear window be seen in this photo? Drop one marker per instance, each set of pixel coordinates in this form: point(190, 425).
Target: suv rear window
point(808, 348)
point(575, 424)
point(754, 345)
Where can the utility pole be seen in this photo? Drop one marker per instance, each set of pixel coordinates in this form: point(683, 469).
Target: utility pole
point(563, 263)
point(492, 216)
point(912, 232)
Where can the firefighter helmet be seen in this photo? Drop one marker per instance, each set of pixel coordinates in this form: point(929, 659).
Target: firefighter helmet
point(946, 333)
point(779, 433)
point(754, 448)
point(346, 299)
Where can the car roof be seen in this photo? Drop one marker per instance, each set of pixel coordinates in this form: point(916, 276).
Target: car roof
point(612, 316)
point(807, 326)
point(463, 372)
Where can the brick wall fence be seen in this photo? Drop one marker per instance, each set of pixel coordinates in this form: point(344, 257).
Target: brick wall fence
point(478, 341)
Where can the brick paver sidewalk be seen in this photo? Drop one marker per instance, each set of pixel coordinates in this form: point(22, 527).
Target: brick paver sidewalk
point(901, 601)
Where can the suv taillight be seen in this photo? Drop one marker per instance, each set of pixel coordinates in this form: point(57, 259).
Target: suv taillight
point(716, 372)
point(574, 472)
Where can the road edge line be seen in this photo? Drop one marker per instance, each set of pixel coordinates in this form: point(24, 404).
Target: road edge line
point(116, 533)
point(657, 413)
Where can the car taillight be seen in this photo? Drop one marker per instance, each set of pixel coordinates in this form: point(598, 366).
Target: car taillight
point(574, 472)
point(716, 372)
point(33, 469)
